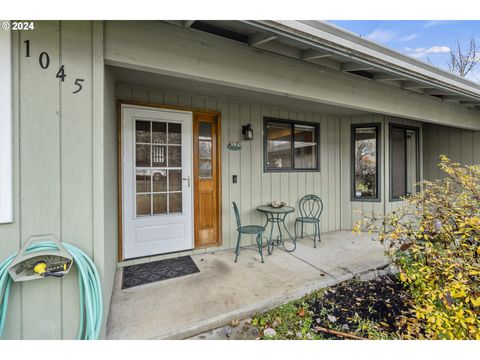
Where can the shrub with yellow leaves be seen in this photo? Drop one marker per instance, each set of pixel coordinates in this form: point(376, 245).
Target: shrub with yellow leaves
point(434, 239)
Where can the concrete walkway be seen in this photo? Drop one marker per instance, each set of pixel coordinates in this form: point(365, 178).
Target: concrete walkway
point(224, 291)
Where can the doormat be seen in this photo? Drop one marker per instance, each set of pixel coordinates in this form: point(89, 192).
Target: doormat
point(141, 274)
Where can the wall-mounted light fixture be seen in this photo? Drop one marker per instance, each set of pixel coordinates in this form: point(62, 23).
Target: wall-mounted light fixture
point(247, 132)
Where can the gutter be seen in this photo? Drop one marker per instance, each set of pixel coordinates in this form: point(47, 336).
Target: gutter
point(317, 38)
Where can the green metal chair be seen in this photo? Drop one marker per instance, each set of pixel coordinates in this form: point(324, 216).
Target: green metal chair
point(311, 207)
point(248, 230)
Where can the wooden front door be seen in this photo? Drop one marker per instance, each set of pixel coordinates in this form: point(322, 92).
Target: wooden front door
point(206, 175)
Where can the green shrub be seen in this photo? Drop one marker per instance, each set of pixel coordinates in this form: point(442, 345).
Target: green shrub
point(434, 240)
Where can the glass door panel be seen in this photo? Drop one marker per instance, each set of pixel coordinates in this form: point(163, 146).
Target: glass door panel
point(158, 160)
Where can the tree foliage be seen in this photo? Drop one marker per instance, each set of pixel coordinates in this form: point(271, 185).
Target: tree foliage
point(434, 239)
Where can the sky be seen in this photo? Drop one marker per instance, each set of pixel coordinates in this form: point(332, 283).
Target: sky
point(429, 40)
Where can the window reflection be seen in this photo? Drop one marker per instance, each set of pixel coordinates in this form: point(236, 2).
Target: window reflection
point(404, 160)
point(305, 147)
point(365, 162)
point(205, 150)
point(159, 187)
point(279, 145)
point(291, 145)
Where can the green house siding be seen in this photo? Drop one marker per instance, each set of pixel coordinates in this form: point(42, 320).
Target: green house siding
point(256, 187)
point(459, 145)
point(65, 145)
point(56, 187)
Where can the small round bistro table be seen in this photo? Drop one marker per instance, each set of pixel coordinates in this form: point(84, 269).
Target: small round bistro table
point(277, 216)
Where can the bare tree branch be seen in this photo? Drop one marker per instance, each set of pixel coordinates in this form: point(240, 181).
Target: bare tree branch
point(463, 62)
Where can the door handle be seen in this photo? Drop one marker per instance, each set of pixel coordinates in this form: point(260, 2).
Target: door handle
point(187, 179)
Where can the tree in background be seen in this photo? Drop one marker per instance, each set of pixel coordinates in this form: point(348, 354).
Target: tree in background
point(463, 61)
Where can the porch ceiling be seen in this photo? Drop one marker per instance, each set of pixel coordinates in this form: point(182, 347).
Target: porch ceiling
point(195, 87)
point(323, 44)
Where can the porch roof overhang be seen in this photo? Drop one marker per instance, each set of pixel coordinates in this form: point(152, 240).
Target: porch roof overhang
point(307, 60)
point(386, 65)
point(328, 45)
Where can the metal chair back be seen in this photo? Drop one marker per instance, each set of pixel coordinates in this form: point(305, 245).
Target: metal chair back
point(237, 215)
point(311, 206)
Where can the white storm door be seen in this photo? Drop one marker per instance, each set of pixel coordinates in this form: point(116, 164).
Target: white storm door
point(157, 181)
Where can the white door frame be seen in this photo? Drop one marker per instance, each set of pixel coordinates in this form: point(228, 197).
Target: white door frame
point(147, 224)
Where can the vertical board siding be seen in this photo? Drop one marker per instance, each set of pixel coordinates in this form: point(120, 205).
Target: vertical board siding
point(76, 176)
point(40, 170)
point(346, 207)
point(53, 152)
point(459, 145)
point(256, 187)
point(245, 174)
point(332, 183)
point(234, 159)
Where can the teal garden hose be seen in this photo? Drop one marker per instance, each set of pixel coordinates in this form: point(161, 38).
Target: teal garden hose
point(91, 303)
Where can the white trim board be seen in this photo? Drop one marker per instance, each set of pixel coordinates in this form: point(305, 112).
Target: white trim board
point(6, 173)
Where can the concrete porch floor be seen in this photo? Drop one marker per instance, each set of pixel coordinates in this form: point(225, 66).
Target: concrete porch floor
point(224, 291)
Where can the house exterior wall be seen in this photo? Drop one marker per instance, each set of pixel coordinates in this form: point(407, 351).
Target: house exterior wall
point(58, 172)
point(64, 145)
point(459, 145)
point(256, 187)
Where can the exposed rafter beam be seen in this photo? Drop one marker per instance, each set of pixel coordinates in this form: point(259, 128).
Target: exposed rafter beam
point(474, 103)
point(453, 97)
point(260, 38)
point(284, 49)
point(188, 23)
point(387, 77)
point(351, 66)
point(414, 85)
point(329, 63)
point(312, 54)
point(436, 92)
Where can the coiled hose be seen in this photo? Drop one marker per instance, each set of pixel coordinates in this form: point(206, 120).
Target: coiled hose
point(91, 303)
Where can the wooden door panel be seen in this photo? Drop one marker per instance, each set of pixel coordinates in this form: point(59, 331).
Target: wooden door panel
point(206, 226)
point(206, 171)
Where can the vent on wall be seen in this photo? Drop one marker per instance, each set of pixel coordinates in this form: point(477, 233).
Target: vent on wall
point(215, 30)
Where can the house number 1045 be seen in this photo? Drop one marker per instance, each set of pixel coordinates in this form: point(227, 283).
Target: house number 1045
point(44, 62)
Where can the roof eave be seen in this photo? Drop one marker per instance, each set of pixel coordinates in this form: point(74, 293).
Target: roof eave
point(331, 38)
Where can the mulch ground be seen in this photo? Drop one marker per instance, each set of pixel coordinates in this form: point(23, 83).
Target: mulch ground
point(381, 301)
point(352, 309)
